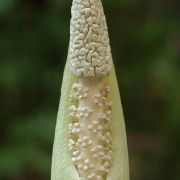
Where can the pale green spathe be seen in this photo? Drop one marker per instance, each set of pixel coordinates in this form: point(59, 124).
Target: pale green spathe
point(62, 166)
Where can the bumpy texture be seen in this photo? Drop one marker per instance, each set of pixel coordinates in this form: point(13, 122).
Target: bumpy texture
point(62, 166)
point(90, 51)
point(91, 129)
point(95, 147)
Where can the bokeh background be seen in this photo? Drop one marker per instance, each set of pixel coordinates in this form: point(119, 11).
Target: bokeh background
point(145, 41)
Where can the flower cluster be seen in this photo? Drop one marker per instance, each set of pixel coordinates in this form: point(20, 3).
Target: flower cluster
point(78, 92)
point(90, 51)
point(91, 131)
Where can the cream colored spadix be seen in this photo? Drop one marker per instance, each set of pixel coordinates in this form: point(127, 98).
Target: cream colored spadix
point(90, 138)
point(90, 54)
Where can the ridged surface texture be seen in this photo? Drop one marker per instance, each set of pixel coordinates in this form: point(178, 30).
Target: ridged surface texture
point(90, 51)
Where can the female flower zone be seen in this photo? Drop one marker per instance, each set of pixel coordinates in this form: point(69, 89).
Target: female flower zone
point(90, 139)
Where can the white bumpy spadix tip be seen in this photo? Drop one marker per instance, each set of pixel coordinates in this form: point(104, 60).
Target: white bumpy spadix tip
point(90, 51)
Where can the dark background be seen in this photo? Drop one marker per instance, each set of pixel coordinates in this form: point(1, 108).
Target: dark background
point(145, 41)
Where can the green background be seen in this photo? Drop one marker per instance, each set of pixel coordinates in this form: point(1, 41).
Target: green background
point(145, 41)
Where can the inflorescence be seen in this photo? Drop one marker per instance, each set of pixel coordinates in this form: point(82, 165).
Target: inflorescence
point(91, 132)
point(90, 127)
point(90, 51)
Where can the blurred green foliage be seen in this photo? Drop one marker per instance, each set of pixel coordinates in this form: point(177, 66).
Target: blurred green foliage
point(145, 40)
